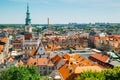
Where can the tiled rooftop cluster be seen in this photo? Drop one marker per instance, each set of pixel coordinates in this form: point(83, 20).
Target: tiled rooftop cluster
point(71, 65)
point(64, 42)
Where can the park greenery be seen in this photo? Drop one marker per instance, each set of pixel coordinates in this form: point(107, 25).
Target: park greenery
point(20, 73)
point(107, 74)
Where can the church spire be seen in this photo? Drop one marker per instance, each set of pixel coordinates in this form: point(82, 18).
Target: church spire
point(28, 20)
point(28, 27)
point(27, 8)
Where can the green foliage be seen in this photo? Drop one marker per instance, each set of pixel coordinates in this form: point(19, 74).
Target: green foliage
point(58, 29)
point(107, 74)
point(87, 28)
point(38, 30)
point(20, 73)
point(89, 75)
point(112, 74)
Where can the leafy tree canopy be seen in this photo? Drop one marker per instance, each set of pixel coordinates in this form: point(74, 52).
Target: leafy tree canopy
point(20, 73)
point(107, 74)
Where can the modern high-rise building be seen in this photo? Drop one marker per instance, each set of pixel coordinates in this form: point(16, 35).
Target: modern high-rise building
point(28, 27)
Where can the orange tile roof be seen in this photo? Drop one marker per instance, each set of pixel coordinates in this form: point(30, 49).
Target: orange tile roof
point(50, 63)
point(4, 39)
point(79, 59)
point(1, 47)
point(86, 61)
point(33, 51)
point(10, 59)
point(66, 56)
point(116, 44)
point(67, 61)
point(58, 47)
point(79, 70)
point(76, 56)
point(39, 61)
point(42, 61)
point(20, 63)
point(100, 57)
point(73, 66)
point(56, 59)
point(95, 64)
point(31, 61)
point(65, 72)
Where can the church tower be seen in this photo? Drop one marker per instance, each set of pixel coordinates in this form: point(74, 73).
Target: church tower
point(28, 20)
point(28, 27)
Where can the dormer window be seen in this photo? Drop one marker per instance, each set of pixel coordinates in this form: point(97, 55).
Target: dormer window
point(71, 70)
point(35, 63)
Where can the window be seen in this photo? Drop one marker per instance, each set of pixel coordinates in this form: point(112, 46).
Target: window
point(45, 73)
point(53, 68)
point(49, 68)
point(43, 67)
point(41, 49)
point(40, 68)
point(35, 63)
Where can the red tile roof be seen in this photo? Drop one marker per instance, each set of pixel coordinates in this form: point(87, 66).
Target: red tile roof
point(31, 61)
point(56, 59)
point(39, 61)
point(44, 61)
point(100, 57)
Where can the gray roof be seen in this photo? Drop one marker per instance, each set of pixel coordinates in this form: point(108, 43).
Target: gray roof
point(112, 54)
point(115, 63)
point(54, 73)
point(2, 34)
point(47, 30)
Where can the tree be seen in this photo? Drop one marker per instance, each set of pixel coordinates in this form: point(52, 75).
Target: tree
point(107, 74)
point(89, 75)
point(20, 73)
point(112, 74)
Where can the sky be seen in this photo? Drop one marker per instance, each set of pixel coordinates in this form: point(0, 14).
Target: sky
point(60, 11)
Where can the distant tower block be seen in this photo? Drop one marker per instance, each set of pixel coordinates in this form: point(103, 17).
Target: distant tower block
point(49, 24)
